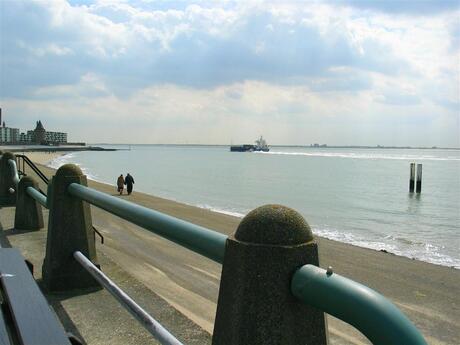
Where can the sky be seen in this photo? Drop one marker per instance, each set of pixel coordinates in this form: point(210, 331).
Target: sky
point(343, 72)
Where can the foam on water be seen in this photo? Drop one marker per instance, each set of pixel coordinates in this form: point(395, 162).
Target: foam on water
point(70, 158)
point(220, 210)
point(363, 156)
point(399, 246)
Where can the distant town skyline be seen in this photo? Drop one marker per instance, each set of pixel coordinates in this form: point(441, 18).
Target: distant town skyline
point(345, 72)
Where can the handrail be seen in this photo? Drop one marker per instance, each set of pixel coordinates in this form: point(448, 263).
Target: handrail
point(43, 200)
point(36, 170)
point(148, 322)
point(14, 171)
point(365, 309)
point(199, 239)
point(39, 197)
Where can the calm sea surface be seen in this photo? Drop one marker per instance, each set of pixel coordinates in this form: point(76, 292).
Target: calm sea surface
point(358, 196)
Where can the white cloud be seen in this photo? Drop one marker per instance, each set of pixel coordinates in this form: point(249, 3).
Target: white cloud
point(212, 69)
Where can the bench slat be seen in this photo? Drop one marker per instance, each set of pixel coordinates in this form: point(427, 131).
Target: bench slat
point(35, 321)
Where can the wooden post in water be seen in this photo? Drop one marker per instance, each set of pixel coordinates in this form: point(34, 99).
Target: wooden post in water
point(412, 178)
point(418, 187)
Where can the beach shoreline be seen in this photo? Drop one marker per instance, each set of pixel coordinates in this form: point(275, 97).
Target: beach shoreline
point(427, 293)
point(42, 159)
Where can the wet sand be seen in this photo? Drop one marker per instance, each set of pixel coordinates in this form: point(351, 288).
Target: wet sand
point(428, 294)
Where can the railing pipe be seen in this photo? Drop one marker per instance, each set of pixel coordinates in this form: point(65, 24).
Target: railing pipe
point(43, 200)
point(39, 197)
point(199, 239)
point(14, 172)
point(148, 322)
point(368, 311)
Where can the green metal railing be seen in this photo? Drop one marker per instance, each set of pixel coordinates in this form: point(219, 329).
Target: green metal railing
point(14, 171)
point(371, 313)
point(199, 239)
point(368, 311)
point(365, 309)
point(39, 197)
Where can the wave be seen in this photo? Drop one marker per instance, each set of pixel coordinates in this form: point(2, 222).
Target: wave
point(396, 245)
point(219, 210)
point(351, 155)
point(70, 158)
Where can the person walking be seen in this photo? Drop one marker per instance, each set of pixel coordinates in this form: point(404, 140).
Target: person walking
point(129, 181)
point(120, 184)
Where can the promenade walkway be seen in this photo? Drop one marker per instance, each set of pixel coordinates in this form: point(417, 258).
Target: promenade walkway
point(95, 316)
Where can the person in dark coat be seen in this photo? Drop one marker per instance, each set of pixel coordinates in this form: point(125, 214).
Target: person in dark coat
point(129, 181)
point(120, 184)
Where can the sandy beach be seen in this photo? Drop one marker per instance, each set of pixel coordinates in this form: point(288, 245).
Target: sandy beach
point(44, 158)
point(428, 294)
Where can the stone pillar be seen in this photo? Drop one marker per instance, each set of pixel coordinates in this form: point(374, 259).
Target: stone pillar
point(29, 215)
point(255, 304)
point(69, 229)
point(7, 186)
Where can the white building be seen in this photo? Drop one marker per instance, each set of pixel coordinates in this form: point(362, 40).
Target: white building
point(56, 137)
point(9, 135)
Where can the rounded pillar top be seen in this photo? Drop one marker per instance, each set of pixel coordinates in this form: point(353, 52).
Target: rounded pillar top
point(274, 224)
point(69, 170)
point(8, 155)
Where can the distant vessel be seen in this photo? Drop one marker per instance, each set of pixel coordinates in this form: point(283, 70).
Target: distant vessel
point(261, 145)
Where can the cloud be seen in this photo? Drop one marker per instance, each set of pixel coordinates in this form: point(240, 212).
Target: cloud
point(55, 43)
point(237, 113)
point(214, 72)
point(421, 7)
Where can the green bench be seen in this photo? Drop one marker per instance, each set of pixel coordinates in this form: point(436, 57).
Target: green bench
point(26, 317)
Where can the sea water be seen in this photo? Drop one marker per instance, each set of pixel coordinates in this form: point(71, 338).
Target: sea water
point(357, 196)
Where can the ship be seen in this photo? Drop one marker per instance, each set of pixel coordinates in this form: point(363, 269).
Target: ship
point(260, 145)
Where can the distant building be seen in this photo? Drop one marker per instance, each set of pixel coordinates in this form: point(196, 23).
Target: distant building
point(7, 134)
point(26, 138)
point(37, 136)
point(41, 136)
point(56, 137)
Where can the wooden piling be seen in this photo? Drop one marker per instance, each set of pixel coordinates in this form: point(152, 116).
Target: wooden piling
point(412, 178)
point(418, 187)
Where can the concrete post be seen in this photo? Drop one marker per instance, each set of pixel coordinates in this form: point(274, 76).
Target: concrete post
point(255, 304)
point(29, 215)
point(69, 230)
point(7, 186)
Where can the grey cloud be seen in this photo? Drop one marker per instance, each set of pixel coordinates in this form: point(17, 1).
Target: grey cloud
point(288, 54)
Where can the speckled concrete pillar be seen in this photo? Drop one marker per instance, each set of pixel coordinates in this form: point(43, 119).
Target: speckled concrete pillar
point(28, 215)
point(7, 198)
point(69, 229)
point(255, 304)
